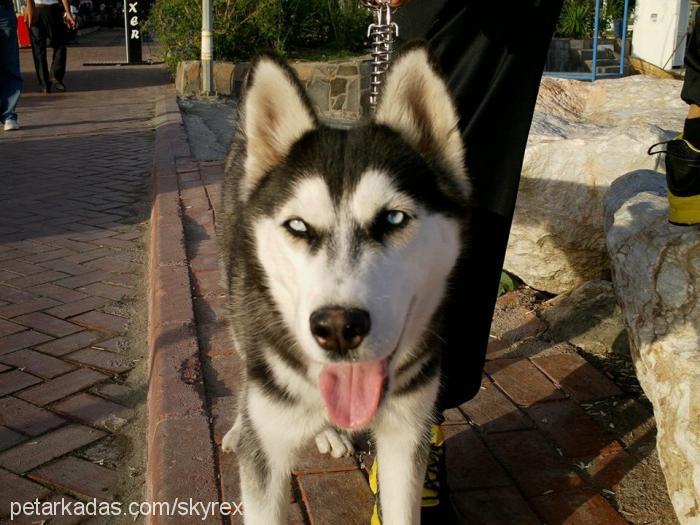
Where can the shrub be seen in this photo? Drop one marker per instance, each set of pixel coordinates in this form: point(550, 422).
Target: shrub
point(577, 19)
point(243, 27)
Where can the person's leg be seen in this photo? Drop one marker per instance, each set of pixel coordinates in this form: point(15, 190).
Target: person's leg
point(493, 54)
point(57, 34)
point(683, 154)
point(38, 33)
point(10, 76)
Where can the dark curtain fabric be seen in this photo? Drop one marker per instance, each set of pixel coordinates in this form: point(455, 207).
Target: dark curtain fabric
point(493, 55)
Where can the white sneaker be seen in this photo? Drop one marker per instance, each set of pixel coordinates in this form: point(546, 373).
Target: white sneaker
point(11, 124)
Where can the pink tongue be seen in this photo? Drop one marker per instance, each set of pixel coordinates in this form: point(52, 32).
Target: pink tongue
point(351, 391)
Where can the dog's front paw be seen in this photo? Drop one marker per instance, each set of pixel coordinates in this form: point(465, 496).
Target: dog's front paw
point(230, 441)
point(329, 440)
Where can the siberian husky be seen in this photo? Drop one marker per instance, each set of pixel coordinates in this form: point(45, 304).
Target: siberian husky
point(338, 247)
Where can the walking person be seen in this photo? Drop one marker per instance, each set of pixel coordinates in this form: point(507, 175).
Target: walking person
point(10, 76)
point(49, 24)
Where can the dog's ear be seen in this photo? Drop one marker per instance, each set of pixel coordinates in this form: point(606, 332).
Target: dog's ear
point(416, 103)
point(277, 112)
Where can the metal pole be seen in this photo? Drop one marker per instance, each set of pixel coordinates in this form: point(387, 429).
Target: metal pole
point(595, 40)
point(624, 38)
point(207, 49)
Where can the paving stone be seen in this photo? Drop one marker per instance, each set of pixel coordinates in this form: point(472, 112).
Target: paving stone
point(20, 267)
point(47, 324)
point(15, 380)
point(49, 446)
point(52, 253)
point(453, 417)
point(177, 451)
point(296, 515)
point(25, 307)
point(71, 343)
point(109, 291)
point(610, 467)
point(336, 497)
point(493, 506)
point(522, 381)
point(84, 279)
point(7, 275)
point(62, 386)
point(576, 508)
point(108, 452)
point(79, 477)
point(67, 267)
point(470, 463)
point(532, 462)
point(228, 471)
point(113, 264)
point(572, 429)
point(78, 307)
point(37, 363)
point(94, 410)
point(27, 418)
point(101, 321)
point(8, 327)
point(37, 278)
point(9, 438)
point(116, 344)
point(102, 359)
point(15, 488)
point(114, 391)
point(492, 411)
point(126, 279)
point(21, 340)
point(577, 376)
point(311, 460)
point(13, 295)
point(65, 295)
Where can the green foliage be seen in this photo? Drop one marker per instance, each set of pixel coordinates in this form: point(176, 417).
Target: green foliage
point(615, 9)
point(244, 27)
point(508, 283)
point(577, 19)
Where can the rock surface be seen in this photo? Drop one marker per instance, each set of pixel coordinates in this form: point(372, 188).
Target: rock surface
point(583, 137)
point(656, 271)
point(589, 318)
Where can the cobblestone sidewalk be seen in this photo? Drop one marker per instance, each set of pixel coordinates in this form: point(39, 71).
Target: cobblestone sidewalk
point(73, 201)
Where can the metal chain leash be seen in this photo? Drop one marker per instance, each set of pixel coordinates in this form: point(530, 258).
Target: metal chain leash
point(382, 32)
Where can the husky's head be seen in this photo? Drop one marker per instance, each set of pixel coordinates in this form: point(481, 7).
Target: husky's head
point(356, 231)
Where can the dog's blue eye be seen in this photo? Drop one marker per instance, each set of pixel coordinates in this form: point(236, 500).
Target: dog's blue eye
point(395, 217)
point(297, 226)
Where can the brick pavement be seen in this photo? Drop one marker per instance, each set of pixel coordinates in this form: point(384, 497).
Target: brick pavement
point(529, 449)
point(73, 203)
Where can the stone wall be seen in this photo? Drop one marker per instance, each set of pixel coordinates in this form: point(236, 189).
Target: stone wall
point(338, 89)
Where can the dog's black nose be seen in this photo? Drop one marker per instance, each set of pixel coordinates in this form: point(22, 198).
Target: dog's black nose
point(339, 329)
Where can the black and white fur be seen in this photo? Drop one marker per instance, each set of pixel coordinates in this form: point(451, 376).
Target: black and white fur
point(341, 184)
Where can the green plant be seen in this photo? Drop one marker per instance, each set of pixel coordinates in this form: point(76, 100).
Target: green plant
point(615, 9)
point(244, 27)
point(508, 283)
point(577, 19)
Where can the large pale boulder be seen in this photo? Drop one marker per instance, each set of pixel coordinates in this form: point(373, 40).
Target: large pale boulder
point(656, 272)
point(583, 137)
